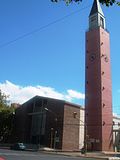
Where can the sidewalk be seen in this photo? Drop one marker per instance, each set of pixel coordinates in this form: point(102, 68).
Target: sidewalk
point(76, 154)
point(96, 155)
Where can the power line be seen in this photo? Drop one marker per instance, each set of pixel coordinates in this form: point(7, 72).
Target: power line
point(42, 27)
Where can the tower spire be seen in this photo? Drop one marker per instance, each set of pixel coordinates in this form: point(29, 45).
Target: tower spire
point(96, 8)
point(96, 16)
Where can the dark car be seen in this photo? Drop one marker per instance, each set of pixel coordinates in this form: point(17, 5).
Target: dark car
point(18, 146)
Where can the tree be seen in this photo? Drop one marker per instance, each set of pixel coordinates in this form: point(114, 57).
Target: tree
point(3, 100)
point(106, 2)
point(6, 118)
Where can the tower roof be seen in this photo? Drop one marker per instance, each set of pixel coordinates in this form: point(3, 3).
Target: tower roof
point(96, 8)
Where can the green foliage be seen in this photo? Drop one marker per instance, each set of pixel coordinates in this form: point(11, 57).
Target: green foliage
point(3, 100)
point(104, 2)
point(6, 118)
point(109, 2)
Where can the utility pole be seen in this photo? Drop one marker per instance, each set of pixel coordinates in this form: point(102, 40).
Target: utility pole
point(55, 139)
point(84, 150)
point(51, 138)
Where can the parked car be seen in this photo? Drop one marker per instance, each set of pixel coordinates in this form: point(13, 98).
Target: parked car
point(18, 146)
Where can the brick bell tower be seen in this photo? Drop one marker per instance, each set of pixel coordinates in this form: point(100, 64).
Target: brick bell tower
point(98, 90)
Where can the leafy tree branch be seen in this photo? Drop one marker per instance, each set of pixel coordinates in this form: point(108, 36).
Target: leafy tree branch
point(104, 2)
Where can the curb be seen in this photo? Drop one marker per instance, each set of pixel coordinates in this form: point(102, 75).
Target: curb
point(74, 155)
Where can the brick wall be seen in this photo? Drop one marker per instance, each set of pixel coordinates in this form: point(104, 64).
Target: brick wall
point(70, 128)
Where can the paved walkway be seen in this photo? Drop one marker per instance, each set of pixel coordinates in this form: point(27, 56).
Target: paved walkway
point(96, 155)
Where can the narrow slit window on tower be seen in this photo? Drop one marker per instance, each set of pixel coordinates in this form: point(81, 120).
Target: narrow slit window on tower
point(103, 123)
point(102, 55)
point(101, 22)
point(103, 104)
point(103, 72)
point(103, 88)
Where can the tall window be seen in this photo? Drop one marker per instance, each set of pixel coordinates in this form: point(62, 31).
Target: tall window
point(101, 22)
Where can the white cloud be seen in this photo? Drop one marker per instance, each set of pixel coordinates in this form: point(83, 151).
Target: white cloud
point(20, 94)
point(75, 94)
point(116, 115)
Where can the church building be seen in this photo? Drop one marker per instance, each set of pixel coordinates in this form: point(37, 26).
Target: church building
point(58, 124)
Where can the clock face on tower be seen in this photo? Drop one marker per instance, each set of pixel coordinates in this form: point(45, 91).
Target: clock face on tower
point(92, 57)
point(106, 58)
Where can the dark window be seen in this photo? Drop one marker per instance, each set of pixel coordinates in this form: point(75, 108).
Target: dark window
point(103, 88)
point(103, 104)
point(103, 72)
point(102, 55)
point(103, 123)
point(101, 22)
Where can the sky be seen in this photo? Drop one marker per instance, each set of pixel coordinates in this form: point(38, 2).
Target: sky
point(42, 49)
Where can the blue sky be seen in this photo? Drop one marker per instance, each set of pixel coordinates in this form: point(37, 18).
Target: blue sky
point(52, 61)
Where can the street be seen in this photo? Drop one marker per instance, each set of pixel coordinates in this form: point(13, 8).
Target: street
point(26, 155)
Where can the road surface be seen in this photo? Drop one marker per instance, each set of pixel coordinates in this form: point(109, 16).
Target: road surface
point(27, 155)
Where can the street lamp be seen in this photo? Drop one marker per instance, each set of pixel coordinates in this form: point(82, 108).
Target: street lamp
point(51, 137)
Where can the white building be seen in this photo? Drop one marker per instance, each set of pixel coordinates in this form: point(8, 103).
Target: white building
point(116, 133)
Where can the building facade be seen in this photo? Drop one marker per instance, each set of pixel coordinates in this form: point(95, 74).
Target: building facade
point(98, 90)
point(50, 123)
point(56, 124)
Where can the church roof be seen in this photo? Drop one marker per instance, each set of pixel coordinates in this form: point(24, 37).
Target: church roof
point(96, 8)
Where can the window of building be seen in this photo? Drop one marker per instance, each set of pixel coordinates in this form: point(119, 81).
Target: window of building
point(103, 104)
point(101, 22)
point(103, 123)
point(103, 88)
point(103, 72)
